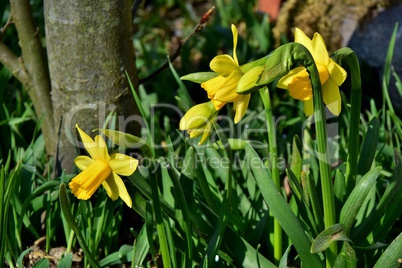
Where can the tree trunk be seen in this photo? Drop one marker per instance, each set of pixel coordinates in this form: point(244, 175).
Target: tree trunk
point(89, 50)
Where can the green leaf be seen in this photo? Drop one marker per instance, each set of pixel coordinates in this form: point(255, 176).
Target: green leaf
point(65, 207)
point(41, 263)
point(327, 237)
point(296, 162)
point(391, 258)
point(281, 210)
point(66, 261)
point(220, 226)
point(140, 248)
point(369, 146)
point(235, 144)
point(127, 140)
point(200, 77)
point(123, 255)
point(184, 100)
point(357, 197)
point(22, 256)
point(347, 257)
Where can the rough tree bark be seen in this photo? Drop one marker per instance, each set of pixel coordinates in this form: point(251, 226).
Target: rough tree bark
point(89, 50)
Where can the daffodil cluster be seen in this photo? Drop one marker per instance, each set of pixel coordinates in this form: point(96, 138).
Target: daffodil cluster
point(233, 83)
point(221, 86)
point(101, 168)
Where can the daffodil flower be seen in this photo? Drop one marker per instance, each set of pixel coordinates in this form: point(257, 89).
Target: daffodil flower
point(332, 75)
point(222, 88)
point(199, 120)
point(101, 168)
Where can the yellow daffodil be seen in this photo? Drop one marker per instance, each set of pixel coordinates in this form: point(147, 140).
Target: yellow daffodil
point(198, 120)
point(101, 168)
point(332, 75)
point(222, 88)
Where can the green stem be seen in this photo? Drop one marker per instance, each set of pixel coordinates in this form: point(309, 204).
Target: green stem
point(355, 103)
point(323, 159)
point(273, 156)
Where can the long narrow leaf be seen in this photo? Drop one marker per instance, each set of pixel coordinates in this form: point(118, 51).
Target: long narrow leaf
point(65, 207)
point(392, 255)
point(282, 211)
point(357, 197)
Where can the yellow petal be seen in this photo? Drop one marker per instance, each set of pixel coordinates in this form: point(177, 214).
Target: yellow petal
point(308, 107)
point(218, 104)
point(235, 36)
point(332, 97)
point(323, 73)
point(288, 78)
point(336, 72)
point(319, 52)
point(83, 161)
point(241, 107)
point(123, 164)
point(88, 143)
point(122, 190)
point(227, 92)
point(301, 38)
point(87, 182)
point(224, 65)
point(207, 133)
point(300, 87)
point(197, 116)
point(101, 149)
point(111, 188)
point(213, 85)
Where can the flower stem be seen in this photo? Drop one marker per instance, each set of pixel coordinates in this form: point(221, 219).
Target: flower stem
point(323, 160)
point(273, 156)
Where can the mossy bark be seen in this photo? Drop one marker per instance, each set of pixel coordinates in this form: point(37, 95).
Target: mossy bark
point(89, 50)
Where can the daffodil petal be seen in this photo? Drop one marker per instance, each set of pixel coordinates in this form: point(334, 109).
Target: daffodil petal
point(336, 72)
point(241, 107)
point(300, 87)
point(88, 143)
point(83, 161)
point(302, 38)
point(319, 52)
point(213, 85)
point(218, 104)
point(101, 149)
point(332, 97)
point(207, 133)
point(111, 188)
point(123, 164)
point(235, 36)
point(288, 78)
point(122, 190)
point(224, 65)
point(227, 92)
point(308, 107)
point(197, 116)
